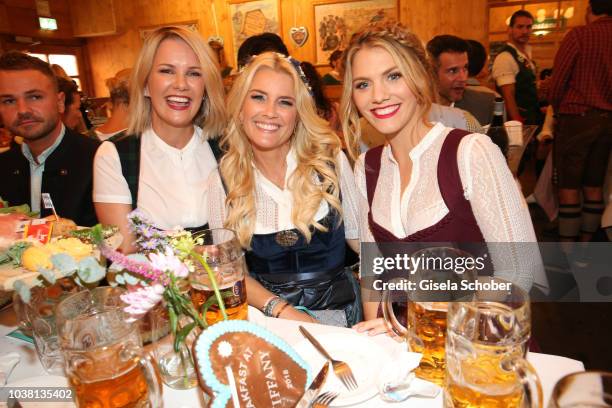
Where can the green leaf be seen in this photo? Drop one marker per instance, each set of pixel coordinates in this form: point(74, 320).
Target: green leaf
point(173, 319)
point(180, 337)
point(97, 234)
point(130, 279)
point(206, 305)
point(64, 263)
point(119, 279)
point(23, 290)
point(47, 274)
point(21, 209)
point(90, 271)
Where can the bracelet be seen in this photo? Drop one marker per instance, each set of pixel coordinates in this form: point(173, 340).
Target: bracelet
point(281, 309)
point(270, 305)
point(267, 303)
point(305, 310)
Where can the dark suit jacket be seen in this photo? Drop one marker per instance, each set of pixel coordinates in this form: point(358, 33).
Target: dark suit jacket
point(68, 178)
point(480, 104)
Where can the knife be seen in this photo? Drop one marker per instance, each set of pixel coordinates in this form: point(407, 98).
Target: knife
point(314, 387)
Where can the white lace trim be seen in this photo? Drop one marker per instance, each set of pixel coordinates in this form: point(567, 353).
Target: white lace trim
point(274, 209)
point(499, 207)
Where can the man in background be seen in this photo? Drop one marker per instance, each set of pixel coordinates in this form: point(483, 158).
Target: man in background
point(449, 57)
point(478, 71)
point(52, 158)
point(581, 96)
point(514, 72)
point(72, 117)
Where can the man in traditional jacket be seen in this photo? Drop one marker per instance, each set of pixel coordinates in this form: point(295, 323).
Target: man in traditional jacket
point(52, 158)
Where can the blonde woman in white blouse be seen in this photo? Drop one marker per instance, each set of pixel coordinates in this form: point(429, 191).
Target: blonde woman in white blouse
point(290, 194)
point(428, 183)
point(162, 163)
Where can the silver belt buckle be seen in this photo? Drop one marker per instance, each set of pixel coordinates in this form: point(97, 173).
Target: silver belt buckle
point(286, 238)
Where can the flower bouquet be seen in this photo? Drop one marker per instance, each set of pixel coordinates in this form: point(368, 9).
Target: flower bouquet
point(157, 282)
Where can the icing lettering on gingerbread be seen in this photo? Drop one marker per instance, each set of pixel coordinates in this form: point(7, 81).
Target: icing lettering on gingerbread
point(242, 385)
point(271, 383)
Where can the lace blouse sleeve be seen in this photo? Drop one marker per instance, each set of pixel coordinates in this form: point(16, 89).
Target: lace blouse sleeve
point(501, 212)
point(350, 197)
point(365, 234)
point(216, 200)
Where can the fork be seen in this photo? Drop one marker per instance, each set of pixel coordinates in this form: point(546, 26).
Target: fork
point(341, 369)
point(323, 400)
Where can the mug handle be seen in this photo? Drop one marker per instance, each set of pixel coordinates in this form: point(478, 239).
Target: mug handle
point(396, 326)
point(153, 380)
point(529, 380)
point(389, 316)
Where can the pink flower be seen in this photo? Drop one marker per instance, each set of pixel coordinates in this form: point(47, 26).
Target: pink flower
point(169, 262)
point(141, 300)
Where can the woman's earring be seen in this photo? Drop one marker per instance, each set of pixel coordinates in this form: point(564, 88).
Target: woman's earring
point(146, 92)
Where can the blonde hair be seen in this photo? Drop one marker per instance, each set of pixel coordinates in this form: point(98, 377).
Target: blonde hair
point(315, 146)
point(211, 116)
point(410, 57)
point(119, 87)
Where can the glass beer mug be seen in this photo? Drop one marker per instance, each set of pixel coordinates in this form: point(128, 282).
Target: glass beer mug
point(584, 389)
point(485, 350)
point(105, 362)
point(223, 253)
point(419, 314)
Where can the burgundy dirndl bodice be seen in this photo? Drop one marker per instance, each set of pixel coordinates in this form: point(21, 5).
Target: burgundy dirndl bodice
point(458, 225)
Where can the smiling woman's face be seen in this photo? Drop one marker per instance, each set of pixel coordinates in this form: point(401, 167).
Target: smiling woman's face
point(379, 91)
point(269, 112)
point(175, 86)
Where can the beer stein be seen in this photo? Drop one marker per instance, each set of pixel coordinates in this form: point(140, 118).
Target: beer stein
point(419, 314)
point(485, 349)
point(224, 255)
point(105, 362)
point(584, 389)
point(40, 318)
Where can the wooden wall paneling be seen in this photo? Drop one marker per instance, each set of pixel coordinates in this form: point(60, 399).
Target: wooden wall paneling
point(109, 54)
point(5, 26)
point(93, 17)
point(498, 17)
point(224, 27)
point(430, 18)
point(20, 18)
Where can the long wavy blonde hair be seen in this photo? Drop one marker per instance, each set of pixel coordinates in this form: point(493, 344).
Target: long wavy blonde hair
point(316, 148)
point(409, 55)
point(211, 116)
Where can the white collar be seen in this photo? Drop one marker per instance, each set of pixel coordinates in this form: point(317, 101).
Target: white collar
point(421, 147)
point(37, 161)
point(272, 189)
point(161, 146)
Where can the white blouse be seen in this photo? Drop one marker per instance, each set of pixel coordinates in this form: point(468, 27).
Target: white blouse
point(498, 205)
point(172, 185)
point(274, 205)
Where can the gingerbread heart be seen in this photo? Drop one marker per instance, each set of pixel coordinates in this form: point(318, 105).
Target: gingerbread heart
point(299, 35)
point(242, 364)
point(216, 39)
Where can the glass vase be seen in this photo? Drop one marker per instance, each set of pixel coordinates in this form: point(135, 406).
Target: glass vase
point(176, 368)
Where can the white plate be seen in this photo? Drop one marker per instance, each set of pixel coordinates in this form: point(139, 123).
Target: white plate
point(43, 382)
point(256, 316)
point(362, 354)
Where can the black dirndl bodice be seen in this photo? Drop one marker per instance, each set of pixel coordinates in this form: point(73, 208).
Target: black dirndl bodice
point(309, 274)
